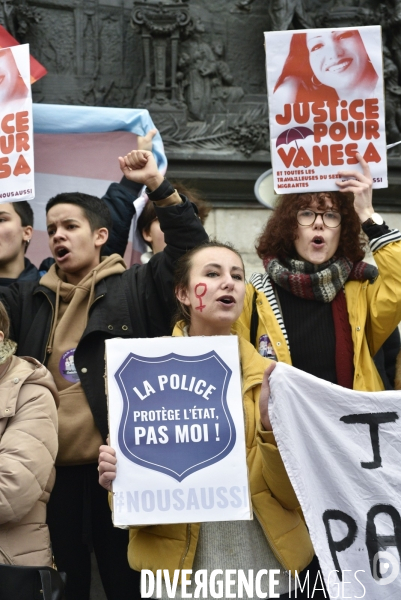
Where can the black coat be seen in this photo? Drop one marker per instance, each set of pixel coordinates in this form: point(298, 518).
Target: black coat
point(137, 303)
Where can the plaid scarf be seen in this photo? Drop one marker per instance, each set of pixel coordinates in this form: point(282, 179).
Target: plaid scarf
point(317, 282)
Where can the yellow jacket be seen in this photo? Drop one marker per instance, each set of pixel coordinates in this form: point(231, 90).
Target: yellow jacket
point(374, 312)
point(273, 498)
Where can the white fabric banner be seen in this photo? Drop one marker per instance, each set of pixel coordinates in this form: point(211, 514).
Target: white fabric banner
point(16, 129)
point(177, 425)
point(326, 103)
point(342, 452)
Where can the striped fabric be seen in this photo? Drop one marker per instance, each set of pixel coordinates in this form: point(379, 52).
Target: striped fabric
point(262, 283)
point(392, 236)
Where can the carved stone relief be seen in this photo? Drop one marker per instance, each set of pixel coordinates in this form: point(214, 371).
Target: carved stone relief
point(197, 65)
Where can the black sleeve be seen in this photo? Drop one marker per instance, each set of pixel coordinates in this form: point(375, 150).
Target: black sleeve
point(46, 264)
point(374, 231)
point(385, 359)
point(151, 286)
point(182, 229)
point(120, 201)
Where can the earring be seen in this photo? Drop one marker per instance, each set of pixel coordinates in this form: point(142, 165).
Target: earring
point(315, 83)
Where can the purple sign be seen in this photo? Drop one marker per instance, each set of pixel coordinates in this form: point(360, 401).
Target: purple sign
point(175, 416)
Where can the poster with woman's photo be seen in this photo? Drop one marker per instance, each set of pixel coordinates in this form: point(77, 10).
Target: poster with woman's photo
point(326, 103)
point(16, 130)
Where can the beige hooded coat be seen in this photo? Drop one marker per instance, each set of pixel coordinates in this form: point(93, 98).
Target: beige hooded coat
point(28, 448)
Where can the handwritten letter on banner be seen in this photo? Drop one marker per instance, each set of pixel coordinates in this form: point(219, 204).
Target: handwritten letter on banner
point(16, 132)
point(176, 422)
point(342, 451)
point(326, 103)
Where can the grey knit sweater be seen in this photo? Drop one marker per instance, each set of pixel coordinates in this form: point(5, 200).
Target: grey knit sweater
point(236, 545)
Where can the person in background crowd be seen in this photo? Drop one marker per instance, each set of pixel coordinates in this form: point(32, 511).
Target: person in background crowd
point(237, 544)
point(28, 448)
point(148, 223)
point(16, 227)
point(63, 320)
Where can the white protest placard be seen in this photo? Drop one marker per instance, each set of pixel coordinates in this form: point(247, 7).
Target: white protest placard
point(342, 452)
point(326, 103)
point(176, 422)
point(16, 130)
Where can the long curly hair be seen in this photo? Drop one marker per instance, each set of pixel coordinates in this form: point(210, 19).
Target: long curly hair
point(280, 231)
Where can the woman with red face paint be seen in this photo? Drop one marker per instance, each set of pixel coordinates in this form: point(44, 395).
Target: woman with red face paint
point(210, 289)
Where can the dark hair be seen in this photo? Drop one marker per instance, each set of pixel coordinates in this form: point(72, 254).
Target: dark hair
point(182, 271)
point(297, 67)
point(279, 234)
point(95, 210)
point(148, 215)
point(4, 321)
point(25, 212)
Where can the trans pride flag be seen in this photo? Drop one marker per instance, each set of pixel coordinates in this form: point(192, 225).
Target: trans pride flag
point(76, 149)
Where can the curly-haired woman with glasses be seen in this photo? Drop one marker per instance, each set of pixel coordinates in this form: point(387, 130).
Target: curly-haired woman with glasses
point(318, 306)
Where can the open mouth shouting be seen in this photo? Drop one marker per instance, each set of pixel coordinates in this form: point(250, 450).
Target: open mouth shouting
point(318, 241)
point(61, 253)
point(226, 300)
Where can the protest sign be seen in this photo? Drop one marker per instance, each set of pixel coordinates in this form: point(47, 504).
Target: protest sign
point(341, 450)
point(326, 103)
point(176, 423)
point(7, 40)
point(16, 141)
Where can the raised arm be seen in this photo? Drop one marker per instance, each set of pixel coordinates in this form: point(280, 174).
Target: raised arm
point(140, 166)
point(383, 297)
point(183, 230)
point(359, 184)
point(120, 199)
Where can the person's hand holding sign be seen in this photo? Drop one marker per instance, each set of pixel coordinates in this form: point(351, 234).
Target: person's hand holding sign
point(264, 398)
point(107, 467)
point(360, 185)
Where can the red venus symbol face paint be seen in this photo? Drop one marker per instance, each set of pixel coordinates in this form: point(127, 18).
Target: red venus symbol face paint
point(200, 295)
